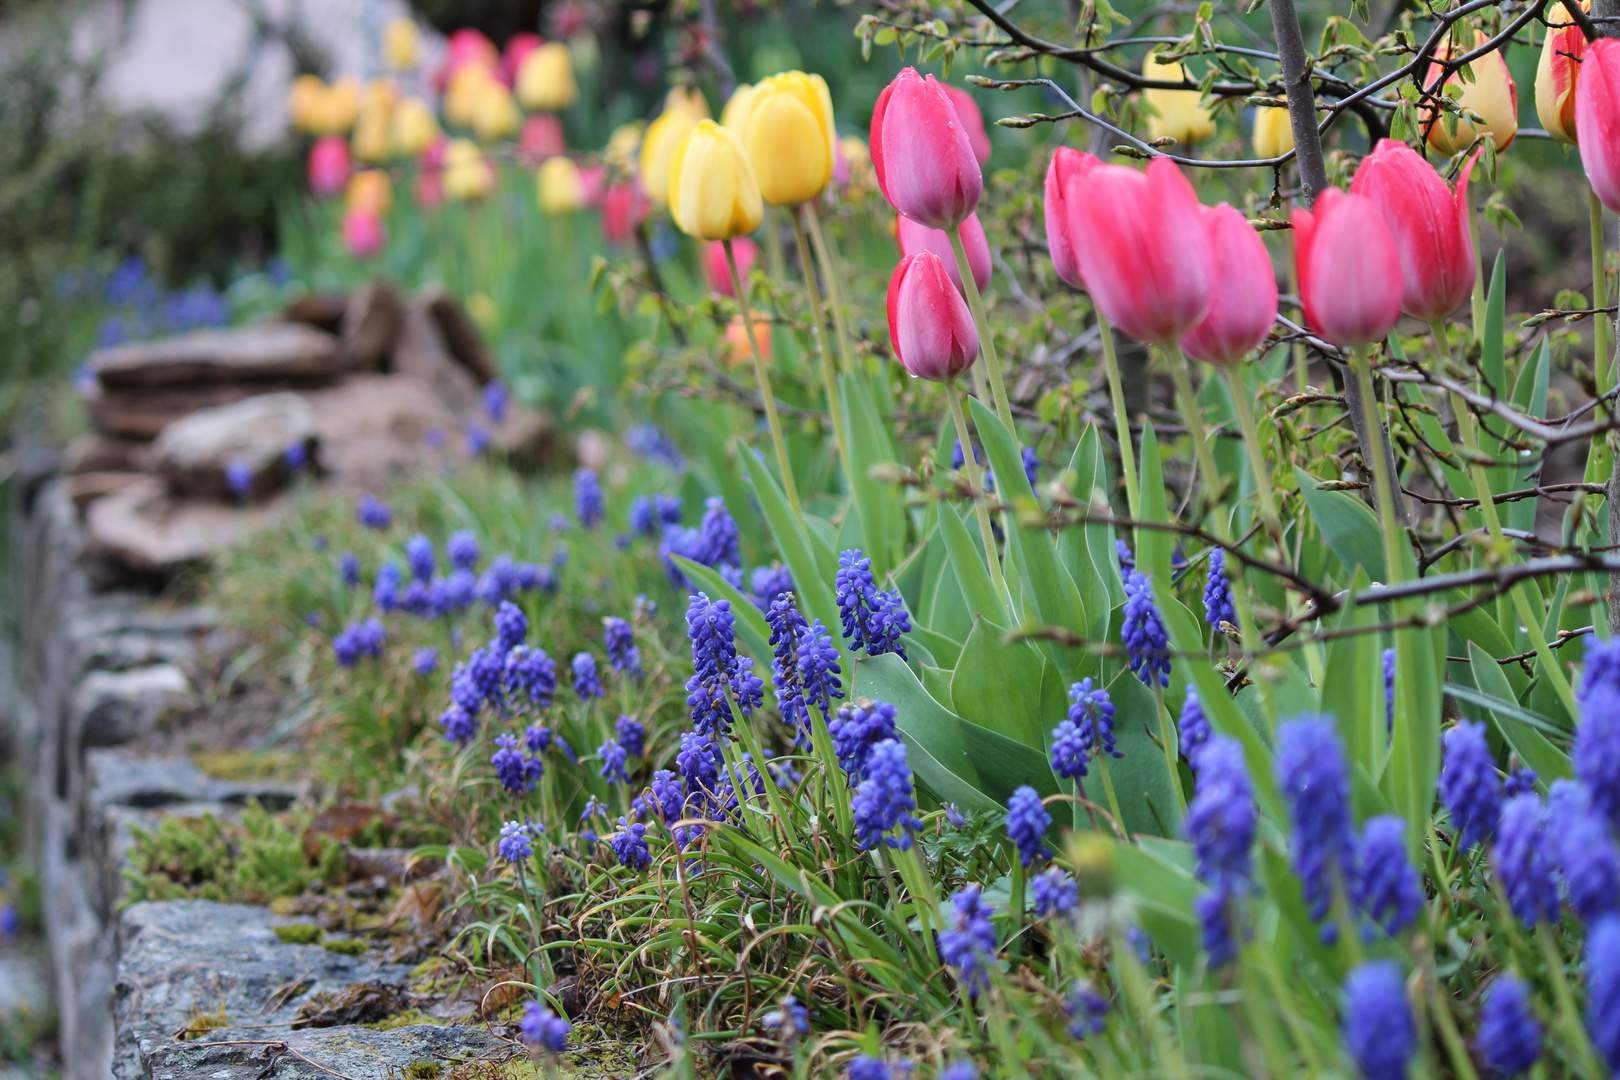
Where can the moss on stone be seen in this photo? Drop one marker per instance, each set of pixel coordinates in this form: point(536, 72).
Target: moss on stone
point(298, 934)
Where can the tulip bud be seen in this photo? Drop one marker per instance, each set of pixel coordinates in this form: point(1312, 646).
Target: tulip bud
point(328, 166)
point(624, 206)
point(465, 48)
point(304, 99)
point(546, 80)
point(340, 107)
point(1273, 132)
point(1177, 114)
point(658, 147)
point(791, 139)
point(719, 273)
point(712, 191)
point(541, 138)
point(1349, 269)
point(519, 47)
point(915, 238)
point(930, 327)
point(1244, 291)
point(494, 112)
point(1428, 223)
point(734, 117)
point(370, 139)
point(967, 111)
point(1493, 95)
point(689, 100)
point(1597, 117)
point(924, 161)
point(412, 128)
point(370, 192)
point(363, 234)
point(1060, 241)
point(468, 175)
point(1142, 247)
point(460, 96)
point(560, 187)
point(401, 44)
point(1557, 73)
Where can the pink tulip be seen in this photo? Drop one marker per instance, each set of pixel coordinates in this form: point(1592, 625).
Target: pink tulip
point(930, 327)
point(1243, 293)
point(465, 46)
point(329, 166)
point(1145, 254)
point(915, 238)
point(624, 206)
point(430, 178)
point(920, 151)
point(363, 233)
point(1060, 240)
point(967, 111)
point(1429, 225)
point(541, 138)
point(519, 46)
point(1597, 118)
point(719, 274)
point(1349, 269)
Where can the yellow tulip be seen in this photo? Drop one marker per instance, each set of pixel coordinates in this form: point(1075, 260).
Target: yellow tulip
point(467, 172)
point(1556, 73)
point(305, 98)
point(561, 187)
point(1179, 112)
point(370, 141)
point(620, 152)
point(857, 160)
point(341, 106)
point(401, 44)
point(1273, 132)
point(658, 147)
point(1493, 95)
point(712, 191)
point(494, 112)
point(379, 95)
point(688, 99)
point(790, 138)
point(545, 79)
point(412, 128)
point(461, 96)
point(369, 192)
point(734, 117)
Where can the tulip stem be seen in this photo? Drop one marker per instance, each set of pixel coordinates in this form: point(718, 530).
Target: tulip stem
point(1598, 460)
point(971, 468)
point(1383, 482)
point(764, 383)
point(833, 405)
point(1257, 460)
point(835, 288)
point(987, 343)
point(1193, 414)
point(1122, 419)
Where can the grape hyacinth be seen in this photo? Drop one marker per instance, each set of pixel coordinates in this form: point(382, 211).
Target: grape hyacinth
point(623, 654)
point(873, 619)
point(1519, 782)
point(1387, 889)
point(517, 772)
point(632, 735)
point(867, 1067)
point(1379, 1030)
point(1220, 825)
point(642, 518)
point(1602, 669)
point(1603, 990)
point(462, 550)
point(1218, 592)
point(511, 626)
point(477, 440)
point(1143, 632)
point(425, 661)
point(968, 945)
point(459, 725)
point(1586, 855)
point(669, 795)
point(530, 673)
point(359, 639)
point(710, 626)
point(1032, 464)
point(1127, 561)
point(587, 683)
point(538, 738)
point(542, 1029)
point(719, 534)
point(515, 846)
point(385, 590)
point(699, 762)
point(1315, 782)
point(1596, 751)
point(420, 558)
point(349, 569)
point(789, 1019)
point(1069, 751)
point(1055, 892)
point(1093, 715)
point(495, 400)
point(630, 845)
point(1194, 726)
point(767, 583)
point(239, 478)
point(613, 758)
point(1087, 1010)
point(1523, 862)
point(373, 514)
point(1389, 690)
point(884, 801)
point(1027, 822)
point(295, 456)
point(1469, 786)
point(1509, 1034)
point(855, 730)
point(587, 498)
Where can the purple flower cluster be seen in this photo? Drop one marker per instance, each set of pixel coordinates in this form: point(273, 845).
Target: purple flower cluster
point(804, 667)
point(1087, 1010)
point(1194, 725)
point(614, 757)
point(789, 1019)
point(1469, 786)
point(873, 619)
point(711, 627)
point(359, 639)
point(496, 400)
point(1596, 750)
point(858, 727)
point(1218, 607)
point(629, 845)
point(372, 513)
point(1055, 892)
point(542, 1029)
point(1315, 782)
point(968, 944)
point(1523, 861)
point(462, 550)
point(632, 735)
point(587, 682)
point(517, 772)
point(420, 557)
point(1585, 852)
point(1220, 824)
point(1379, 1031)
point(1027, 822)
point(1143, 632)
point(885, 800)
point(1603, 990)
point(620, 639)
point(1387, 887)
point(349, 569)
point(587, 498)
point(1509, 1034)
point(514, 845)
point(1389, 690)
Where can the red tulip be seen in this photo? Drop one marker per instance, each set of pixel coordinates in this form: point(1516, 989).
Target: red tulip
point(517, 48)
point(718, 273)
point(1429, 225)
point(967, 111)
point(1349, 269)
point(924, 162)
point(1597, 118)
point(329, 166)
point(465, 46)
point(1066, 164)
point(1145, 254)
point(363, 233)
point(624, 206)
point(915, 238)
point(541, 138)
point(930, 327)
point(1243, 293)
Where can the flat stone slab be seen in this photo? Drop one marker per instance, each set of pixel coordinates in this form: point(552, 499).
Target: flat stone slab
point(268, 351)
point(147, 529)
point(195, 454)
point(118, 778)
point(360, 1053)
